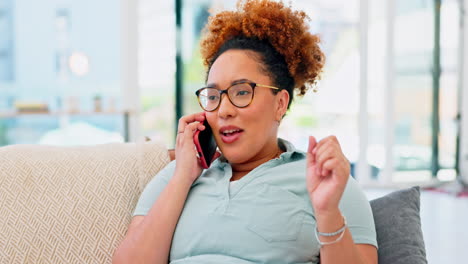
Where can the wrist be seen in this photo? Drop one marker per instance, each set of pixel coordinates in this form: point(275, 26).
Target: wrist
point(330, 238)
point(181, 180)
point(329, 221)
point(327, 213)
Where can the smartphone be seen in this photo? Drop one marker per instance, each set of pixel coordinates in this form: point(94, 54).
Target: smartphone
point(205, 144)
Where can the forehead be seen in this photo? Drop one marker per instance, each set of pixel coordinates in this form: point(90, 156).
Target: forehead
point(234, 65)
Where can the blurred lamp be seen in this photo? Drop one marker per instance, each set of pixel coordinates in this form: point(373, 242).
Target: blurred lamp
point(79, 63)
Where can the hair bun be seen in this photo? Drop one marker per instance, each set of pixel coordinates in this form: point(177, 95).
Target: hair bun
point(285, 29)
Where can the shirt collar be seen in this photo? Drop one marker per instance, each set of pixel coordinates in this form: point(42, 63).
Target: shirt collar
point(291, 153)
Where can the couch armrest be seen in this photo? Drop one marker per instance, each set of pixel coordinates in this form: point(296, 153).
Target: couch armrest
point(71, 204)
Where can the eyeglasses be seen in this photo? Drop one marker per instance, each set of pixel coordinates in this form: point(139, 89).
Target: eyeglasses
point(239, 94)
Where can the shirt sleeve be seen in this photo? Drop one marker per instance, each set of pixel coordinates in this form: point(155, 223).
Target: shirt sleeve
point(153, 189)
point(355, 206)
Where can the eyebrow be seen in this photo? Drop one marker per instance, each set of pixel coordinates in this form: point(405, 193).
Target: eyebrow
point(214, 85)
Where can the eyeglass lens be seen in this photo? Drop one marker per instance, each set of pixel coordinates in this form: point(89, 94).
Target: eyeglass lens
point(239, 94)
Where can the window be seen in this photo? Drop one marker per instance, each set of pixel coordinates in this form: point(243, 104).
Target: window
point(6, 41)
point(65, 88)
point(156, 62)
point(334, 109)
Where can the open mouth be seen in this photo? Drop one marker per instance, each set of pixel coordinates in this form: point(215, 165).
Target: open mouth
point(229, 135)
point(231, 132)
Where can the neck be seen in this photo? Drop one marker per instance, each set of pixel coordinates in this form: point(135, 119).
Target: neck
point(239, 170)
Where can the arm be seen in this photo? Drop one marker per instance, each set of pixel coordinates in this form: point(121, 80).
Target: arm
point(327, 175)
point(149, 237)
point(344, 251)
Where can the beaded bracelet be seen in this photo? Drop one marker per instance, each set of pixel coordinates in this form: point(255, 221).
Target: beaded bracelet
point(340, 231)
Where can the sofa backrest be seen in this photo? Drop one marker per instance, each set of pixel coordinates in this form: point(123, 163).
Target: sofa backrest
point(71, 204)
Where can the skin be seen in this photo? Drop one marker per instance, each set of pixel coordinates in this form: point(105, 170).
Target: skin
point(149, 237)
point(259, 121)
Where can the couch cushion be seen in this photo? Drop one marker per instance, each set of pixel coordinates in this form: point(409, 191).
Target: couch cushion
point(71, 204)
point(398, 226)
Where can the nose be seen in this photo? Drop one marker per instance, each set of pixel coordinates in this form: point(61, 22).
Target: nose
point(226, 108)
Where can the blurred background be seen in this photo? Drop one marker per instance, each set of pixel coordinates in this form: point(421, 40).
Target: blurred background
point(394, 88)
point(87, 72)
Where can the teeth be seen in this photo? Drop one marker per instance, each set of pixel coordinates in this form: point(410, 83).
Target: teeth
point(230, 131)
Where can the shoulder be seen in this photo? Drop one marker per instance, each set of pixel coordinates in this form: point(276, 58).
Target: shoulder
point(355, 206)
point(354, 203)
point(354, 191)
point(291, 163)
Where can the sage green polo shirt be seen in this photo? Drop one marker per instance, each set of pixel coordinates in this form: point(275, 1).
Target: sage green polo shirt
point(265, 217)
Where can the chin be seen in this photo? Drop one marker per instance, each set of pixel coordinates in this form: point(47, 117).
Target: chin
point(233, 155)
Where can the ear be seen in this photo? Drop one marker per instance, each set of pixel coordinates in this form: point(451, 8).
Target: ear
point(282, 101)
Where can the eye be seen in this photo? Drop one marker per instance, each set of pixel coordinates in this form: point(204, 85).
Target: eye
point(242, 93)
point(212, 97)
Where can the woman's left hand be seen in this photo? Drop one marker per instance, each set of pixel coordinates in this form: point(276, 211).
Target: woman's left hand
point(327, 173)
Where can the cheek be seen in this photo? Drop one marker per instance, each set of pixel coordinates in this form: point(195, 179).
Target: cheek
point(260, 119)
point(263, 111)
point(211, 119)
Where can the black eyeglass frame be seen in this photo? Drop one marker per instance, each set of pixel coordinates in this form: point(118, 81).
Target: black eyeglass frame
point(225, 91)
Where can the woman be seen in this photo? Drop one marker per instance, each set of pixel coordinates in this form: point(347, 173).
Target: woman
point(262, 201)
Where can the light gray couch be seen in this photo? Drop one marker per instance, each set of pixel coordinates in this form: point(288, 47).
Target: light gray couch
point(73, 204)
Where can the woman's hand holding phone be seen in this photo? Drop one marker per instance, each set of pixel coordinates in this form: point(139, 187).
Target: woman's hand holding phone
point(187, 163)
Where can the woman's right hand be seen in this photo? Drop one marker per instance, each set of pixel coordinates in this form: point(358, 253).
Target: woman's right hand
point(187, 164)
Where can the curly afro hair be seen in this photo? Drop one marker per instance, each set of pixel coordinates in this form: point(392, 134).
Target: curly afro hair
point(289, 53)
